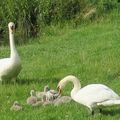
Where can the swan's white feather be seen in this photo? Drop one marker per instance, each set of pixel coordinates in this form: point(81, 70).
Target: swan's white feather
point(93, 95)
point(10, 67)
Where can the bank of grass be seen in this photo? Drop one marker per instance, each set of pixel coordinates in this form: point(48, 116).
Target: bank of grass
point(90, 52)
point(32, 16)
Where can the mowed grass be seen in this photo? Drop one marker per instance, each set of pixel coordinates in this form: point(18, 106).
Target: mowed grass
point(90, 52)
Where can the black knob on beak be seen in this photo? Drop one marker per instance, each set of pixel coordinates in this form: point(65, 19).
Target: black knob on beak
point(12, 27)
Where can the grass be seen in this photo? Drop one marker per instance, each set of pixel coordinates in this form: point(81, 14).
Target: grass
point(89, 52)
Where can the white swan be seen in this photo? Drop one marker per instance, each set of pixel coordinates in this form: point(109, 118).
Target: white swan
point(93, 95)
point(10, 67)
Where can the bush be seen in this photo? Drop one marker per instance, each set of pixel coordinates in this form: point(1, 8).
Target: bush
point(31, 16)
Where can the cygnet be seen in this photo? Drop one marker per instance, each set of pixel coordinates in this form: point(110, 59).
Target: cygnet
point(32, 99)
point(62, 100)
point(16, 106)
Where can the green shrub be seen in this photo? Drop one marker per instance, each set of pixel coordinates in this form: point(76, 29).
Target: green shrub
point(31, 16)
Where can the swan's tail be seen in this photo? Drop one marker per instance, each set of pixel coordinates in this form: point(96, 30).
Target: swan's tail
point(109, 103)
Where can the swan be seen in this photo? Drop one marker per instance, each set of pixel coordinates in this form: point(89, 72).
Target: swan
point(10, 67)
point(92, 96)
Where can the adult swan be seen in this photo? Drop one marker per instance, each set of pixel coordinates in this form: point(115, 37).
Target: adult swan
point(10, 67)
point(93, 95)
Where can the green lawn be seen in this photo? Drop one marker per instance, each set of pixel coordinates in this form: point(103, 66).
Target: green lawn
point(90, 52)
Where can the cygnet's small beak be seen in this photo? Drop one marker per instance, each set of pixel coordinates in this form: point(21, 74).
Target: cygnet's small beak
point(59, 90)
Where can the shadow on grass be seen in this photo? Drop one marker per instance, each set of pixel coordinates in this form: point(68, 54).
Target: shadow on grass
point(31, 81)
point(111, 112)
point(113, 76)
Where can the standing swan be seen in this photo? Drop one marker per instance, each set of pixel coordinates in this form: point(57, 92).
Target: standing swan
point(92, 96)
point(10, 67)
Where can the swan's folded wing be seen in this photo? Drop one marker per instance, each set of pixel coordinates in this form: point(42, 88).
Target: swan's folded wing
point(96, 93)
point(4, 63)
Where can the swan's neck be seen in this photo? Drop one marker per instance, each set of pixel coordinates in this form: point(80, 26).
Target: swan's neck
point(76, 84)
point(13, 53)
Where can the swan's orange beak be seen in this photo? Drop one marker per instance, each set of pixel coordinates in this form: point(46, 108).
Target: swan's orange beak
point(59, 90)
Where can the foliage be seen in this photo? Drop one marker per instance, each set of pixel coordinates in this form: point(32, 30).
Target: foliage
point(32, 16)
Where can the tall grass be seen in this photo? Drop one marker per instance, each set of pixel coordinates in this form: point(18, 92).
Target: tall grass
point(31, 16)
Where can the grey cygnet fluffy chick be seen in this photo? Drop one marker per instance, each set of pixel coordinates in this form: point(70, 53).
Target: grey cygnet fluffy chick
point(32, 99)
point(16, 106)
point(62, 100)
point(51, 95)
point(41, 95)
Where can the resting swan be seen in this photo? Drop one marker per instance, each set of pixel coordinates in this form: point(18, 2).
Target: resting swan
point(10, 67)
point(91, 96)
